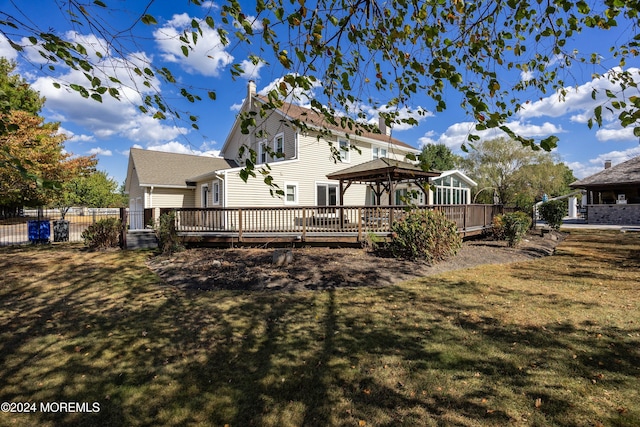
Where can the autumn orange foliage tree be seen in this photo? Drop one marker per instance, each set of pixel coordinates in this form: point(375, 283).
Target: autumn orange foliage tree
point(33, 163)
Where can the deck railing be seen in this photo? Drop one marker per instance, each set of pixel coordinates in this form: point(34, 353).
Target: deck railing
point(307, 221)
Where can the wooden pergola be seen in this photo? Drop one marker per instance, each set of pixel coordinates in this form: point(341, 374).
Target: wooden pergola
point(383, 175)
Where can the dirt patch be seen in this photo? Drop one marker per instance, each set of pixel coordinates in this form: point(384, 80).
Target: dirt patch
point(326, 268)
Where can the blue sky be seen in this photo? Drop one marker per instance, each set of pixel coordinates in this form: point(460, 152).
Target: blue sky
point(110, 128)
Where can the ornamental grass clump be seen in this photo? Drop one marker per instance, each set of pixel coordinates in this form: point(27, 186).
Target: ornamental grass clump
point(424, 235)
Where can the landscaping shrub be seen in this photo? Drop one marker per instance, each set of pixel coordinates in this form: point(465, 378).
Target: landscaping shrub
point(512, 227)
point(168, 239)
point(104, 234)
point(426, 235)
point(552, 212)
point(497, 227)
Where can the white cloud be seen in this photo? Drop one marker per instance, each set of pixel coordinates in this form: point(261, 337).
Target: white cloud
point(72, 137)
point(456, 135)
point(6, 50)
point(251, 70)
point(595, 165)
point(209, 5)
point(207, 57)
point(177, 147)
point(297, 96)
point(419, 114)
point(100, 151)
point(109, 117)
point(620, 134)
point(579, 101)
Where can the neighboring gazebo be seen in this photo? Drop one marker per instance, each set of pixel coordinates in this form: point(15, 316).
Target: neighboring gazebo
point(383, 175)
point(613, 194)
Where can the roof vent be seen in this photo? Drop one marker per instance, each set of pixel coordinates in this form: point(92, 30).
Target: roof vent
point(607, 164)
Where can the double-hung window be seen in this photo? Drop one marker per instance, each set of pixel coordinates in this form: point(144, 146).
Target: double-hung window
point(344, 147)
point(216, 192)
point(290, 193)
point(262, 153)
point(379, 153)
point(278, 147)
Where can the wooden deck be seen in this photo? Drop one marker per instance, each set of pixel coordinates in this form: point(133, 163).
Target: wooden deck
point(313, 224)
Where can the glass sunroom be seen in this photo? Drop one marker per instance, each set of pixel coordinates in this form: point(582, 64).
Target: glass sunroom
point(452, 188)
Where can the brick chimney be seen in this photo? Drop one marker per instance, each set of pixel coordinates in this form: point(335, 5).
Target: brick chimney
point(607, 164)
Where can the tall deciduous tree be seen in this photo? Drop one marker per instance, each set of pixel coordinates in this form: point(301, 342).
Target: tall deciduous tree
point(33, 163)
point(516, 174)
point(438, 157)
point(15, 95)
point(93, 190)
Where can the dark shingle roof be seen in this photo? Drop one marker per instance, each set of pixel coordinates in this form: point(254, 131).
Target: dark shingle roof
point(173, 169)
point(314, 119)
point(381, 170)
point(625, 173)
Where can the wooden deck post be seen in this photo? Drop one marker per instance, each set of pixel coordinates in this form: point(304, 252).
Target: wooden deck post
point(304, 224)
point(239, 225)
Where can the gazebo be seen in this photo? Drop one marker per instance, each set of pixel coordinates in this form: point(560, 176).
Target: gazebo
point(383, 175)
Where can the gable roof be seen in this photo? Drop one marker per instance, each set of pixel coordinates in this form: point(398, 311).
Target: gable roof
point(315, 120)
point(162, 169)
point(626, 173)
point(460, 175)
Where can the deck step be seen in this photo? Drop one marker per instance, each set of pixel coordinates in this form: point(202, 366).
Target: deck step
point(141, 239)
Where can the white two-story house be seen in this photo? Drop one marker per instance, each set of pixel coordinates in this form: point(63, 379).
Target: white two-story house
point(301, 169)
point(305, 159)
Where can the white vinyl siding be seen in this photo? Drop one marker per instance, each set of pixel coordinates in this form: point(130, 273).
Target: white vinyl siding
point(307, 162)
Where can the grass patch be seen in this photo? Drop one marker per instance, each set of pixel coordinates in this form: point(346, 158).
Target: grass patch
point(555, 341)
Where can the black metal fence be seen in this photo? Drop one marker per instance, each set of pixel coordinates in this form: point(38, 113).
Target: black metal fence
point(39, 227)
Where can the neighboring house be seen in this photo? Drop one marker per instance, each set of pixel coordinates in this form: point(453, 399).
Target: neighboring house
point(613, 194)
point(157, 179)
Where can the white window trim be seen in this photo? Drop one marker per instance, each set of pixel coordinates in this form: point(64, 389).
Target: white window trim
point(380, 149)
point(262, 152)
point(215, 192)
point(295, 192)
point(204, 193)
point(327, 184)
point(275, 147)
point(347, 152)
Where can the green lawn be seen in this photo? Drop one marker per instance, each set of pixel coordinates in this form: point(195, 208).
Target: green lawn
point(555, 341)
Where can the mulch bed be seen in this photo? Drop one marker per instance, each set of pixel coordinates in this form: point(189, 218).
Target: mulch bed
point(320, 268)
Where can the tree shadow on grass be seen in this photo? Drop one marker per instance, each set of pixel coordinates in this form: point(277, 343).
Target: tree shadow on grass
point(430, 353)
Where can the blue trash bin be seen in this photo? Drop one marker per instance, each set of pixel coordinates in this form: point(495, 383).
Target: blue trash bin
point(39, 231)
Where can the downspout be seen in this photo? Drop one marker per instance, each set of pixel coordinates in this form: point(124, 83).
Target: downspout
point(224, 189)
